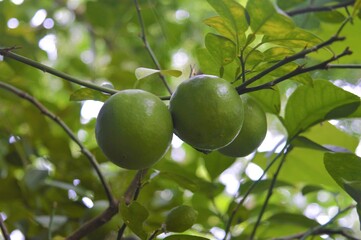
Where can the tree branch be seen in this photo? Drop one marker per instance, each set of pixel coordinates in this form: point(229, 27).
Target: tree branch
point(248, 192)
point(348, 66)
point(269, 193)
point(321, 229)
point(286, 60)
point(131, 194)
point(3, 228)
point(113, 203)
point(320, 8)
point(148, 47)
point(95, 223)
point(7, 53)
point(297, 71)
point(299, 55)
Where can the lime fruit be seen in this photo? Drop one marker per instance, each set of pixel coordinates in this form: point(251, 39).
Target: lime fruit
point(180, 218)
point(252, 133)
point(134, 129)
point(207, 112)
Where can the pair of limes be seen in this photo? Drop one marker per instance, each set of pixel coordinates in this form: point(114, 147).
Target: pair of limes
point(134, 127)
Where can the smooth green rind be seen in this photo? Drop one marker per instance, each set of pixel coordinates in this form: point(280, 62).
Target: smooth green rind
point(207, 112)
point(252, 133)
point(134, 129)
point(180, 219)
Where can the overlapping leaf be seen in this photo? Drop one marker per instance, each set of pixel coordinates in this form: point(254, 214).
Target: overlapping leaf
point(222, 49)
point(134, 216)
point(309, 105)
point(234, 17)
point(266, 20)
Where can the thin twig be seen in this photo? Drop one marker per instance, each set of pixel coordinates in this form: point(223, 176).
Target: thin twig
point(131, 194)
point(269, 193)
point(95, 223)
point(113, 203)
point(154, 235)
point(319, 8)
point(299, 55)
point(3, 228)
point(50, 232)
point(289, 59)
point(297, 71)
point(327, 231)
point(315, 229)
point(348, 66)
point(68, 131)
point(143, 36)
point(248, 192)
point(7, 53)
point(121, 231)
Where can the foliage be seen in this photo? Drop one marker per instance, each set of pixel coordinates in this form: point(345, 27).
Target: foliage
point(299, 59)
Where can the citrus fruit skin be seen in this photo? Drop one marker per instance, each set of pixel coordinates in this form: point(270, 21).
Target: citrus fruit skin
point(252, 133)
point(207, 112)
point(180, 218)
point(134, 129)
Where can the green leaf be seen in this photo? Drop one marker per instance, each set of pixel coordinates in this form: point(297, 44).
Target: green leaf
point(184, 237)
point(99, 14)
point(57, 221)
point(266, 20)
point(283, 224)
point(331, 16)
point(289, 67)
point(216, 163)
point(356, 7)
point(254, 57)
point(289, 4)
point(305, 165)
point(219, 24)
point(269, 99)
point(234, 16)
point(34, 178)
point(66, 186)
point(262, 186)
point(141, 72)
point(10, 189)
point(311, 188)
point(293, 219)
point(277, 53)
point(208, 65)
point(222, 49)
point(345, 169)
point(134, 216)
point(309, 105)
point(181, 180)
point(303, 142)
point(295, 38)
point(83, 94)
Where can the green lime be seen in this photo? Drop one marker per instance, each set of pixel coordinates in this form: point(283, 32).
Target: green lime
point(180, 218)
point(207, 112)
point(134, 129)
point(252, 133)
